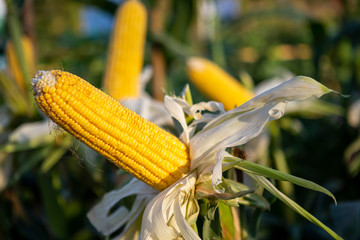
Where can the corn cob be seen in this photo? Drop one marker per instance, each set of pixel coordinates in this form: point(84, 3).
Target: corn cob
point(126, 51)
point(216, 83)
point(129, 141)
point(13, 62)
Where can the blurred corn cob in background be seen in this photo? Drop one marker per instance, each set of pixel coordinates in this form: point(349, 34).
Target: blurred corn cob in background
point(126, 51)
point(13, 84)
point(13, 96)
point(13, 62)
point(138, 146)
point(216, 83)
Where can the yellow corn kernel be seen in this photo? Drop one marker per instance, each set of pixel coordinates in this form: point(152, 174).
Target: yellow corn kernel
point(13, 62)
point(129, 141)
point(216, 83)
point(126, 51)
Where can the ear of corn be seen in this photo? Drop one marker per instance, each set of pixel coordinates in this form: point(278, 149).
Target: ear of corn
point(14, 63)
point(126, 51)
point(216, 83)
point(129, 141)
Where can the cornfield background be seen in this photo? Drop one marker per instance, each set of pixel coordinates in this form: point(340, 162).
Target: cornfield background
point(48, 184)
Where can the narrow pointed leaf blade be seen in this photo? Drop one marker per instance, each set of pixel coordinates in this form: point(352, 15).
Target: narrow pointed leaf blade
point(293, 205)
point(258, 169)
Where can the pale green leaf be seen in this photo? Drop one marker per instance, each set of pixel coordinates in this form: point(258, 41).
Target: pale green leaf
point(227, 221)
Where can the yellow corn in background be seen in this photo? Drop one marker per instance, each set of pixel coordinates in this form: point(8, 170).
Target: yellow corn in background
point(13, 62)
point(216, 83)
point(138, 146)
point(126, 51)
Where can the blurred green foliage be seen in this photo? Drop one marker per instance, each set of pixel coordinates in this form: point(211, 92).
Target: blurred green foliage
point(319, 39)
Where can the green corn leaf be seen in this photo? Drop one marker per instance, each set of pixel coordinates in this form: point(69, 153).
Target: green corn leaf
point(227, 221)
point(34, 159)
point(235, 194)
point(56, 153)
point(173, 45)
point(251, 199)
point(54, 212)
point(290, 203)
point(211, 227)
point(253, 168)
point(281, 164)
point(32, 144)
